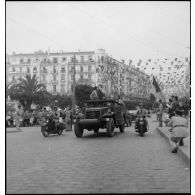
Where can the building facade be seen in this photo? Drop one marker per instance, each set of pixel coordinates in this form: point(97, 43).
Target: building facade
point(56, 71)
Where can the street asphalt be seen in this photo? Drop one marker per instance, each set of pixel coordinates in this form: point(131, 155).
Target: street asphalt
point(95, 163)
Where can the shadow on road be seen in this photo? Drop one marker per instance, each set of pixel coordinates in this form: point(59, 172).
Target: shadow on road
point(100, 135)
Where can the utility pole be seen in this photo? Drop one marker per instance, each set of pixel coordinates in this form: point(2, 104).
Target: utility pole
point(73, 98)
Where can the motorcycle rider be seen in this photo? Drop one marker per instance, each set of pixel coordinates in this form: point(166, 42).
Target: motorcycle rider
point(141, 112)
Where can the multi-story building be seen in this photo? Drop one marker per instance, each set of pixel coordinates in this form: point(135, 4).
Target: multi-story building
point(55, 70)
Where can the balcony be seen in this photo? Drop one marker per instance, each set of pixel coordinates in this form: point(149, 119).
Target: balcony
point(54, 81)
point(53, 72)
point(86, 62)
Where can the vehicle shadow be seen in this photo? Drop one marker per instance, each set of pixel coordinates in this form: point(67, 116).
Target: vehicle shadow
point(100, 135)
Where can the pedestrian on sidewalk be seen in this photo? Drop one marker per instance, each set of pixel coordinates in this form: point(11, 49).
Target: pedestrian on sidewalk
point(160, 111)
point(18, 116)
point(178, 131)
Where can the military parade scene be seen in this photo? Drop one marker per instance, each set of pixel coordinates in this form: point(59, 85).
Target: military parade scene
point(98, 97)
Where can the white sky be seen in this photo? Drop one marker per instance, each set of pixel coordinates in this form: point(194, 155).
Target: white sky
point(126, 30)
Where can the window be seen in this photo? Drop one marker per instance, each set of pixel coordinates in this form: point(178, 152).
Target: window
point(28, 70)
point(81, 68)
point(20, 69)
point(63, 59)
point(54, 69)
point(63, 70)
point(35, 69)
point(82, 58)
point(62, 88)
point(81, 76)
point(54, 88)
point(54, 77)
point(44, 78)
point(71, 59)
point(44, 70)
point(89, 68)
point(89, 77)
point(55, 60)
point(62, 77)
point(44, 60)
point(13, 78)
point(28, 61)
point(13, 70)
point(72, 77)
point(90, 58)
point(21, 61)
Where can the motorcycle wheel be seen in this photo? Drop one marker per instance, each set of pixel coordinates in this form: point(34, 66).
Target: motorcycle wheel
point(141, 131)
point(44, 132)
point(110, 127)
point(60, 131)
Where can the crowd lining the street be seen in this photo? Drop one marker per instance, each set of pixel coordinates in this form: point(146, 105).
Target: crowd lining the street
point(174, 114)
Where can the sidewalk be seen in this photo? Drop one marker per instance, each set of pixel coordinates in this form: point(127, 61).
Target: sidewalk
point(183, 151)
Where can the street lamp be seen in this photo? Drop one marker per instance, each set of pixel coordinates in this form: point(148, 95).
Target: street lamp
point(73, 89)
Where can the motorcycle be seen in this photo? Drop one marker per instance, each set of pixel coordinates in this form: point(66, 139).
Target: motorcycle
point(51, 126)
point(141, 126)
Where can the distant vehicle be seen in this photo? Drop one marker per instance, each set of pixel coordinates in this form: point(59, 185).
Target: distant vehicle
point(100, 114)
point(132, 114)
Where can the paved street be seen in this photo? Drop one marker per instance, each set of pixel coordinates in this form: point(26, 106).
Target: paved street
point(125, 163)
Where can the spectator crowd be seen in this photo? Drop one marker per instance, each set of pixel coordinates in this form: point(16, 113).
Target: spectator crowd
point(21, 118)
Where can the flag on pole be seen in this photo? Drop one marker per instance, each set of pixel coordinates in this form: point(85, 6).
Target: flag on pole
point(156, 85)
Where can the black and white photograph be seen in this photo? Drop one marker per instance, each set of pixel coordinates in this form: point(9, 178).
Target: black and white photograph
point(98, 97)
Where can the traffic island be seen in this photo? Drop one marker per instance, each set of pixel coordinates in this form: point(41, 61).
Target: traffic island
point(183, 151)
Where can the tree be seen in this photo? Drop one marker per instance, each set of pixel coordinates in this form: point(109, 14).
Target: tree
point(62, 101)
point(152, 98)
point(27, 91)
point(82, 93)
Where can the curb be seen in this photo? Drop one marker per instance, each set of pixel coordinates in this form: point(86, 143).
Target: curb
point(14, 131)
point(180, 152)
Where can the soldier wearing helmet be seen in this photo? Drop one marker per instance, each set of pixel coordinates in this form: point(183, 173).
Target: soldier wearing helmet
point(141, 111)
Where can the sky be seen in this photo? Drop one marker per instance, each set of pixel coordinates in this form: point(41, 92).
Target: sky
point(126, 30)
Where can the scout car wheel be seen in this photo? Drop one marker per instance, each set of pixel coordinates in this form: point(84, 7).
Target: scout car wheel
point(44, 132)
point(78, 130)
point(142, 131)
point(110, 127)
point(122, 128)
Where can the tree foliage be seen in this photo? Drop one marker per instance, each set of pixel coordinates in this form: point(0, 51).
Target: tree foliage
point(61, 101)
point(152, 98)
point(82, 93)
point(27, 91)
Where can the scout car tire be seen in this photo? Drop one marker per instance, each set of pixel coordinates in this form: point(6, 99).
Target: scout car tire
point(122, 128)
point(110, 127)
point(78, 130)
point(44, 132)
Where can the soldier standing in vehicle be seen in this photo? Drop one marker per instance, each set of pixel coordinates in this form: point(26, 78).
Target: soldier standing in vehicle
point(100, 93)
point(94, 95)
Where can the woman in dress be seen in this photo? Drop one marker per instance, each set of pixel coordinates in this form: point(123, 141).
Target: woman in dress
point(178, 131)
